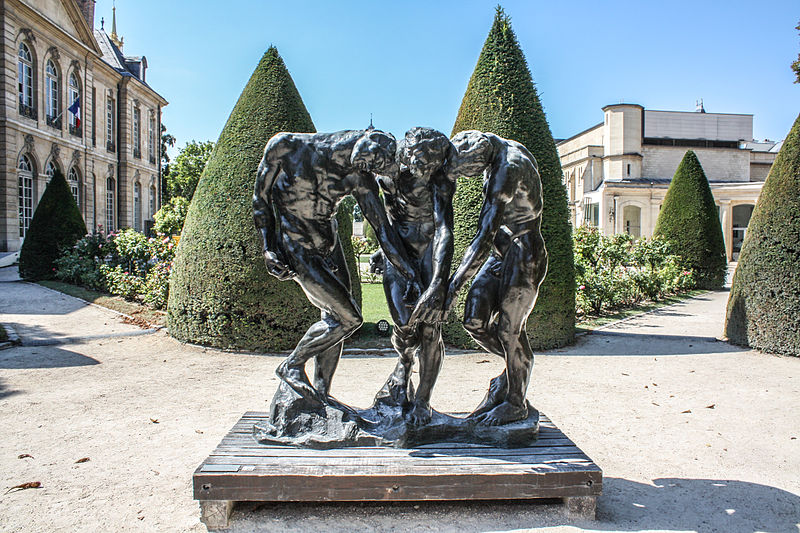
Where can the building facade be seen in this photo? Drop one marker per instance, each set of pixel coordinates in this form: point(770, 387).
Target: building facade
point(618, 172)
point(72, 101)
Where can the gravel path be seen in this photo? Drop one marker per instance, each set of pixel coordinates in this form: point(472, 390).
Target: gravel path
point(692, 433)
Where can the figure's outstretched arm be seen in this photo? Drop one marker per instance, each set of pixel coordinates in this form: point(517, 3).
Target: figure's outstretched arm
point(497, 193)
point(264, 218)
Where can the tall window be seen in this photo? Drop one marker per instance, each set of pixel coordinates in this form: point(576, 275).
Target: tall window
point(50, 169)
point(152, 201)
point(74, 185)
point(109, 124)
point(25, 81)
point(151, 137)
point(52, 91)
point(137, 134)
point(632, 220)
point(25, 175)
point(137, 206)
point(73, 96)
point(110, 189)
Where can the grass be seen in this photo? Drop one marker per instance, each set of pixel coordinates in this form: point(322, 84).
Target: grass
point(142, 315)
point(590, 322)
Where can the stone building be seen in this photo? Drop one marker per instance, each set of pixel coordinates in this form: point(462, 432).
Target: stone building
point(73, 101)
point(618, 172)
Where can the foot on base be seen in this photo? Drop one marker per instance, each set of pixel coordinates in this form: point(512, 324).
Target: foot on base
point(494, 396)
point(296, 378)
point(505, 413)
point(420, 413)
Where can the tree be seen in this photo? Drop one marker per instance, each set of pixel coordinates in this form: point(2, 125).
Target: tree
point(170, 218)
point(220, 291)
point(764, 305)
point(56, 226)
point(167, 140)
point(690, 224)
point(501, 98)
point(185, 171)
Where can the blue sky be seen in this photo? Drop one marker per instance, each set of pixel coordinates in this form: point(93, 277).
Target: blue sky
point(408, 63)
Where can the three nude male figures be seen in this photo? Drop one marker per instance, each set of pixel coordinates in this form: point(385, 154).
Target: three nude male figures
point(300, 182)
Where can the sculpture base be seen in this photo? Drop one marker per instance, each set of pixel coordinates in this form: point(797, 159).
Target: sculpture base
point(295, 421)
point(241, 469)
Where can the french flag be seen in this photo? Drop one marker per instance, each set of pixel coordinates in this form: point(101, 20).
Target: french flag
point(75, 109)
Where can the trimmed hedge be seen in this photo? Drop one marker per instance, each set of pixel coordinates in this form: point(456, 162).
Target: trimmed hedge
point(220, 292)
point(689, 221)
point(501, 98)
point(764, 305)
point(56, 226)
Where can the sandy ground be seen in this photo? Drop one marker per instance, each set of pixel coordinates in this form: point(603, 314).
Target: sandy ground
point(692, 433)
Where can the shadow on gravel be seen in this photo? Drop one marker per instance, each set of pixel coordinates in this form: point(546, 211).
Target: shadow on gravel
point(4, 391)
point(702, 505)
point(641, 344)
point(670, 504)
point(44, 357)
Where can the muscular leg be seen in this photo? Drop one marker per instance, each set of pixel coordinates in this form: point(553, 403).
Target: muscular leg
point(327, 361)
point(430, 355)
point(341, 318)
point(405, 339)
point(480, 322)
point(523, 272)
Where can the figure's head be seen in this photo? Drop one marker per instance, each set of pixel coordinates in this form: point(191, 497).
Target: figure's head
point(473, 153)
point(374, 151)
point(424, 151)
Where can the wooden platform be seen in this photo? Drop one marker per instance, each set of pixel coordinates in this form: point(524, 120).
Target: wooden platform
point(240, 469)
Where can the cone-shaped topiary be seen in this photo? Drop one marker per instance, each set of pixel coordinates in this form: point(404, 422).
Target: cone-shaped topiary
point(56, 226)
point(764, 305)
point(220, 292)
point(501, 98)
point(689, 222)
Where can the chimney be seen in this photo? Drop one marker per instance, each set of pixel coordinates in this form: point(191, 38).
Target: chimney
point(87, 8)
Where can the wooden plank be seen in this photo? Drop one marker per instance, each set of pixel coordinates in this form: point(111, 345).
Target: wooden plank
point(409, 487)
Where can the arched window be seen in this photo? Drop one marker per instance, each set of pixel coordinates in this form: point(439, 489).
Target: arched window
point(25, 176)
point(52, 91)
point(74, 100)
point(50, 169)
point(137, 206)
point(110, 190)
point(152, 201)
point(632, 220)
point(74, 185)
point(25, 81)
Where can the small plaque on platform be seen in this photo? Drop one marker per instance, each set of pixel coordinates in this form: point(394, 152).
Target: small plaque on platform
point(241, 469)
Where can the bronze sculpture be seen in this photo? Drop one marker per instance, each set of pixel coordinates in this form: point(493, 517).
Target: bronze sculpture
point(300, 182)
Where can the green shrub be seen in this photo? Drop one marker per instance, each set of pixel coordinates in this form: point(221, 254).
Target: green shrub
point(764, 305)
point(170, 218)
point(80, 265)
point(56, 226)
point(220, 292)
point(501, 98)
point(123, 282)
point(615, 271)
point(689, 222)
